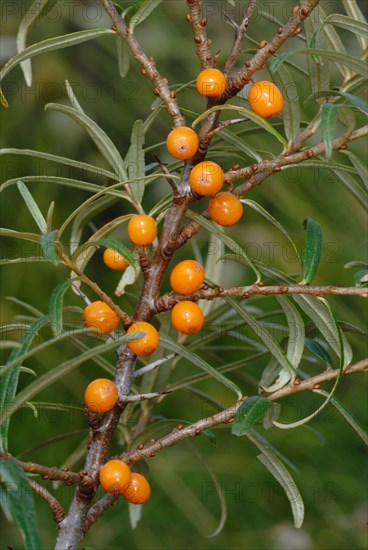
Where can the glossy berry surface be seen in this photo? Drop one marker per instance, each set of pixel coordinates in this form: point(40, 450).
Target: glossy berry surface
point(206, 178)
point(147, 344)
point(142, 230)
point(115, 475)
point(211, 83)
point(225, 209)
point(187, 277)
point(266, 99)
point(182, 143)
point(100, 316)
point(114, 260)
point(138, 490)
point(101, 395)
point(187, 317)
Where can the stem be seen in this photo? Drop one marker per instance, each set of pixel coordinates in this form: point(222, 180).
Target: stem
point(167, 302)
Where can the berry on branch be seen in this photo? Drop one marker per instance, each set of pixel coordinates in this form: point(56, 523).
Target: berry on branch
point(138, 490)
point(100, 316)
point(187, 317)
point(115, 475)
point(114, 260)
point(101, 395)
point(182, 143)
point(211, 83)
point(225, 209)
point(146, 345)
point(142, 230)
point(206, 178)
point(187, 277)
point(265, 99)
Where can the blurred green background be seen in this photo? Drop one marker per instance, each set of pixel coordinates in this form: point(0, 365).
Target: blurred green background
point(184, 508)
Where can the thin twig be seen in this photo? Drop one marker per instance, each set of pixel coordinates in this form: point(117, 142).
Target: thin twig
point(167, 301)
point(55, 506)
point(148, 64)
point(239, 35)
point(53, 473)
point(257, 173)
point(152, 366)
point(198, 22)
point(258, 61)
point(127, 320)
point(227, 416)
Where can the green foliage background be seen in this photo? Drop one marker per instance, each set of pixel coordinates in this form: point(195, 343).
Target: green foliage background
point(183, 508)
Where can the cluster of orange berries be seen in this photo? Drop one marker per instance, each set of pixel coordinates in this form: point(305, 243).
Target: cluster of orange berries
point(117, 479)
point(207, 178)
point(101, 396)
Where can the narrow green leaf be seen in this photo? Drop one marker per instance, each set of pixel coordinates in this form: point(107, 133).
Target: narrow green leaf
point(330, 36)
point(353, 10)
point(317, 348)
point(249, 412)
point(100, 138)
point(130, 275)
point(241, 145)
point(349, 417)
point(51, 44)
point(135, 515)
point(59, 372)
point(342, 357)
point(353, 63)
point(15, 491)
point(199, 362)
point(56, 307)
point(263, 212)
point(135, 162)
point(291, 112)
point(9, 381)
point(61, 160)
point(68, 182)
point(145, 9)
point(358, 102)
point(347, 23)
point(295, 346)
point(123, 54)
point(359, 165)
point(280, 473)
point(266, 338)
point(244, 112)
point(48, 243)
point(316, 311)
point(353, 187)
point(32, 16)
point(32, 207)
point(328, 123)
point(312, 253)
point(225, 239)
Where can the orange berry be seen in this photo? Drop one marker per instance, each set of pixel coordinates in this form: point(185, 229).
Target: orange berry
point(187, 317)
point(114, 260)
point(101, 317)
point(142, 230)
point(182, 143)
point(265, 99)
point(115, 475)
point(101, 395)
point(211, 83)
point(206, 178)
point(187, 277)
point(138, 490)
point(225, 209)
point(148, 344)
